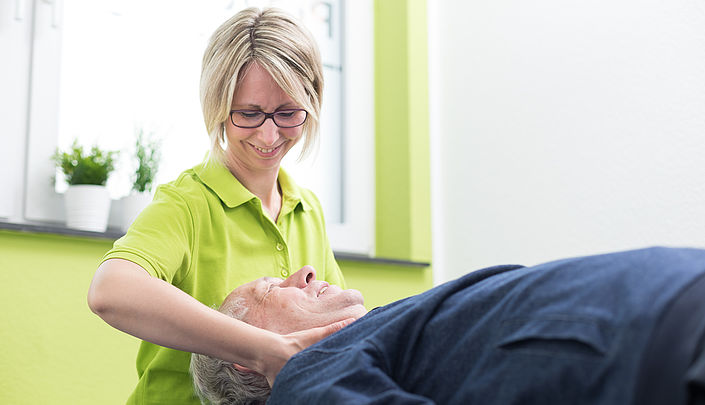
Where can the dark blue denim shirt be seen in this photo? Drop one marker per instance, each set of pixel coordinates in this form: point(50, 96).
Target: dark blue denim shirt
point(567, 332)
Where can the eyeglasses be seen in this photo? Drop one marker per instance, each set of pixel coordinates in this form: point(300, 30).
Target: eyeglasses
point(283, 118)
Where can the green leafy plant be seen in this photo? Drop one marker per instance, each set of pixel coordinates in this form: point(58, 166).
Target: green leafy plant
point(148, 158)
point(85, 168)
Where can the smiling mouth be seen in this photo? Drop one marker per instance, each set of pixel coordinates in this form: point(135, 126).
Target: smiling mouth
point(266, 151)
point(321, 291)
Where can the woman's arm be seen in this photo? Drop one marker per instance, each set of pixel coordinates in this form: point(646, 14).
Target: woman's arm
point(129, 299)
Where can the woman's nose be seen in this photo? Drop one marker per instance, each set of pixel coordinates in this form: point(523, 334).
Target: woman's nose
point(269, 132)
point(301, 278)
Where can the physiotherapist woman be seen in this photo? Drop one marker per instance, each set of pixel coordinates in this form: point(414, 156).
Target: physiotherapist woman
point(234, 218)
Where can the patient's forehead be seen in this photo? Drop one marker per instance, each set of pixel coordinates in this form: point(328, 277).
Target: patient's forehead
point(254, 290)
point(244, 301)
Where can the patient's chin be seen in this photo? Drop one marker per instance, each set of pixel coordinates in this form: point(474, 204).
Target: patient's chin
point(349, 298)
point(359, 311)
point(316, 320)
point(355, 312)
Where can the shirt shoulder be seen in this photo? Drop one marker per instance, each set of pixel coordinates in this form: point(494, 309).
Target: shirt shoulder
point(162, 237)
point(187, 187)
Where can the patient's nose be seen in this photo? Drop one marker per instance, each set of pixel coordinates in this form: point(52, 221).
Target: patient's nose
point(301, 278)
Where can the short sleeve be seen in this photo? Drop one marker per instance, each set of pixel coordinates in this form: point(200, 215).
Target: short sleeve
point(161, 238)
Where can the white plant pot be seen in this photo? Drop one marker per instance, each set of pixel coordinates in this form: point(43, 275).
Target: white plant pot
point(87, 207)
point(132, 205)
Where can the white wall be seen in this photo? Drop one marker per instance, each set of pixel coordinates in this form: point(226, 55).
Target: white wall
point(564, 128)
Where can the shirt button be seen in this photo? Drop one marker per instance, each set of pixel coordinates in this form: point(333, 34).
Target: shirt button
point(280, 247)
point(285, 273)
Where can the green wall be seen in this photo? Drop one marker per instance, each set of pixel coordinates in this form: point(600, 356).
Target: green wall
point(402, 159)
point(57, 352)
point(402, 131)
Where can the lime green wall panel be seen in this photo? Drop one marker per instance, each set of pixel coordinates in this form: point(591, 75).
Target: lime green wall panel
point(402, 131)
point(381, 284)
point(419, 132)
point(55, 350)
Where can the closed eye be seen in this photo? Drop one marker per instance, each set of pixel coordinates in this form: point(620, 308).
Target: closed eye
point(269, 289)
point(285, 114)
point(249, 114)
point(263, 290)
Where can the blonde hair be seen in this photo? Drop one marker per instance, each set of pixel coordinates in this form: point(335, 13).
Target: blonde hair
point(280, 45)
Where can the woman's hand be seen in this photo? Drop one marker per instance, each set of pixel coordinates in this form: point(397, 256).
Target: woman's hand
point(296, 342)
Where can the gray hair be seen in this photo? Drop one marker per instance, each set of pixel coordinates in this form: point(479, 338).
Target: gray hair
point(280, 45)
point(219, 382)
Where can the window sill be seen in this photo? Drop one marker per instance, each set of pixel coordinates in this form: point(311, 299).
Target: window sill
point(110, 233)
point(378, 260)
point(114, 233)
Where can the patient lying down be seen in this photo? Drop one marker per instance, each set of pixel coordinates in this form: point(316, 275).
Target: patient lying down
point(591, 330)
point(283, 306)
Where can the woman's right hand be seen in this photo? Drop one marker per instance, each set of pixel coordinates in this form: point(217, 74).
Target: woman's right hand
point(296, 342)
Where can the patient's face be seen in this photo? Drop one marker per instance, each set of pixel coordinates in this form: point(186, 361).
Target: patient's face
point(297, 303)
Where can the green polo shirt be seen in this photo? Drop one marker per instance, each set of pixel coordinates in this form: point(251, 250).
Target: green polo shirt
point(206, 234)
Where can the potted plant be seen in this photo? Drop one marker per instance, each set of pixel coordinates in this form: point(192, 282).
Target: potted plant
point(147, 157)
point(87, 200)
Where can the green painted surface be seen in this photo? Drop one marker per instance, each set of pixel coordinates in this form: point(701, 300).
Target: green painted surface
point(55, 351)
point(419, 133)
point(381, 284)
point(402, 131)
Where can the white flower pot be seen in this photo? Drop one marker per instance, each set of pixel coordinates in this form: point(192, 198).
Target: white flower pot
point(132, 205)
point(87, 207)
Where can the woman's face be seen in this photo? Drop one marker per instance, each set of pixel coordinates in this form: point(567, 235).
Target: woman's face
point(254, 150)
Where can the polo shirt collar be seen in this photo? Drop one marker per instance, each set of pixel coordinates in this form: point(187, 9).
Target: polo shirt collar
point(233, 194)
point(291, 192)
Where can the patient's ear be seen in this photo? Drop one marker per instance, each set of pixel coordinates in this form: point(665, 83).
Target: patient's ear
point(244, 369)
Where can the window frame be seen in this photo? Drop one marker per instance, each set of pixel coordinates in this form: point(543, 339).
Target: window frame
point(355, 235)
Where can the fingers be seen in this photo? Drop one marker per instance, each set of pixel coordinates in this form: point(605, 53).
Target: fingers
point(311, 336)
point(334, 327)
point(305, 338)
